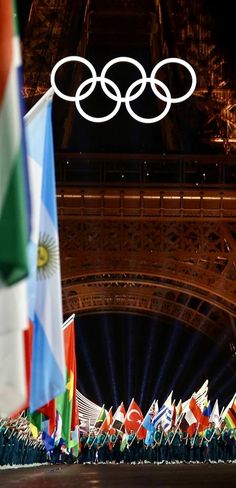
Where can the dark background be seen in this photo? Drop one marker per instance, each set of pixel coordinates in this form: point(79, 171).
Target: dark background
point(124, 356)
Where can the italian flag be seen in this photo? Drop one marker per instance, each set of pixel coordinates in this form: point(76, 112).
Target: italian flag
point(66, 404)
point(13, 221)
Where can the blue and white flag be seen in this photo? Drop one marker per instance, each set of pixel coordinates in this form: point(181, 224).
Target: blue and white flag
point(164, 415)
point(149, 437)
point(45, 296)
point(160, 415)
point(148, 419)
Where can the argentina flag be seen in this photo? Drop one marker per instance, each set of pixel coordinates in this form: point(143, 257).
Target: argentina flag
point(45, 296)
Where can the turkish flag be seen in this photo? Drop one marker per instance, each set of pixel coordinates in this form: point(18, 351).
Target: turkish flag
point(133, 420)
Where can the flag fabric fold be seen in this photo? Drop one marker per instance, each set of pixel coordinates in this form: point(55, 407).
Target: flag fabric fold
point(230, 416)
point(119, 417)
point(13, 221)
point(164, 415)
point(44, 287)
point(215, 414)
point(100, 418)
point(148, 419)
point(66, 404)
point(193, 416)
point(107, 422)
point(134, 419)
point(205, 417)
point(201, 396)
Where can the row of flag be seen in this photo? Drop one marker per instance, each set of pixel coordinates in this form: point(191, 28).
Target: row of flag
point(38, 364)
point(58, 420)
point(60, 424)
point(194, 415)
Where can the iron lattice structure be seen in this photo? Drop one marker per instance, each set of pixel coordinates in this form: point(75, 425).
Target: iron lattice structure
point(167, 251)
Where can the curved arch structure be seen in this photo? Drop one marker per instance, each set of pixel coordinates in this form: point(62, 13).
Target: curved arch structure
point(179, 268)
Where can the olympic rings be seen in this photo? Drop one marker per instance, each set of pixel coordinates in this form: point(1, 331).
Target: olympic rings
point(186, 65)
point(153, 119)
point(125, 60)
point(166, 97)
point(66, 60)
point(78, 97)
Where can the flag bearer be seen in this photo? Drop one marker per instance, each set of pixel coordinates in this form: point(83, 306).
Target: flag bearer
point(91, 443)
point(184, 446)
point(158, 445)
point(101, 447)
point(174, 444)
point(115, 442)
point(132, 448)
point(210, 443)
point(84, 447)
point(195, 447)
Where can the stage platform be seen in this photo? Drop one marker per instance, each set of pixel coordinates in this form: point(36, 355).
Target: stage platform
point(123, 475)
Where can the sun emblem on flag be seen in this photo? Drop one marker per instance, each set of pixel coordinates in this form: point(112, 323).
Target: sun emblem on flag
point(48, 257)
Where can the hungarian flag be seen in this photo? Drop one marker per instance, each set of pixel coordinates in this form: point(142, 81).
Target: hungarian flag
point(134, 419)
point(13, 220)
point(66, 404)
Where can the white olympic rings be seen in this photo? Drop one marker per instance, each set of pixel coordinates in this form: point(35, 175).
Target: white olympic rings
point(164, 95)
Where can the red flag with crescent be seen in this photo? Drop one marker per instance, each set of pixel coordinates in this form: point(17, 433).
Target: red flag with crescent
point(134, 419)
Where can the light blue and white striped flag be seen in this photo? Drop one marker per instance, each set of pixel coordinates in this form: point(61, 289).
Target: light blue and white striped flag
point(45, 296)
point(164, 415)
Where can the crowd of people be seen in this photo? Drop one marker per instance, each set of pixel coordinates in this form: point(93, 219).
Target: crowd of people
point(214, 445)
point(18, 445)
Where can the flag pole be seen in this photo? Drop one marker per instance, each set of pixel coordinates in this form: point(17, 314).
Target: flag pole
point(48, 94)
point(68, 321)
point(103, 407)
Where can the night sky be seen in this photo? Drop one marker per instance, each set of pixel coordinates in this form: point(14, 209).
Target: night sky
point(120, 357)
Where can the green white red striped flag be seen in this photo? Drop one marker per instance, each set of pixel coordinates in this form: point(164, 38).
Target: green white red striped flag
point(13, 220)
